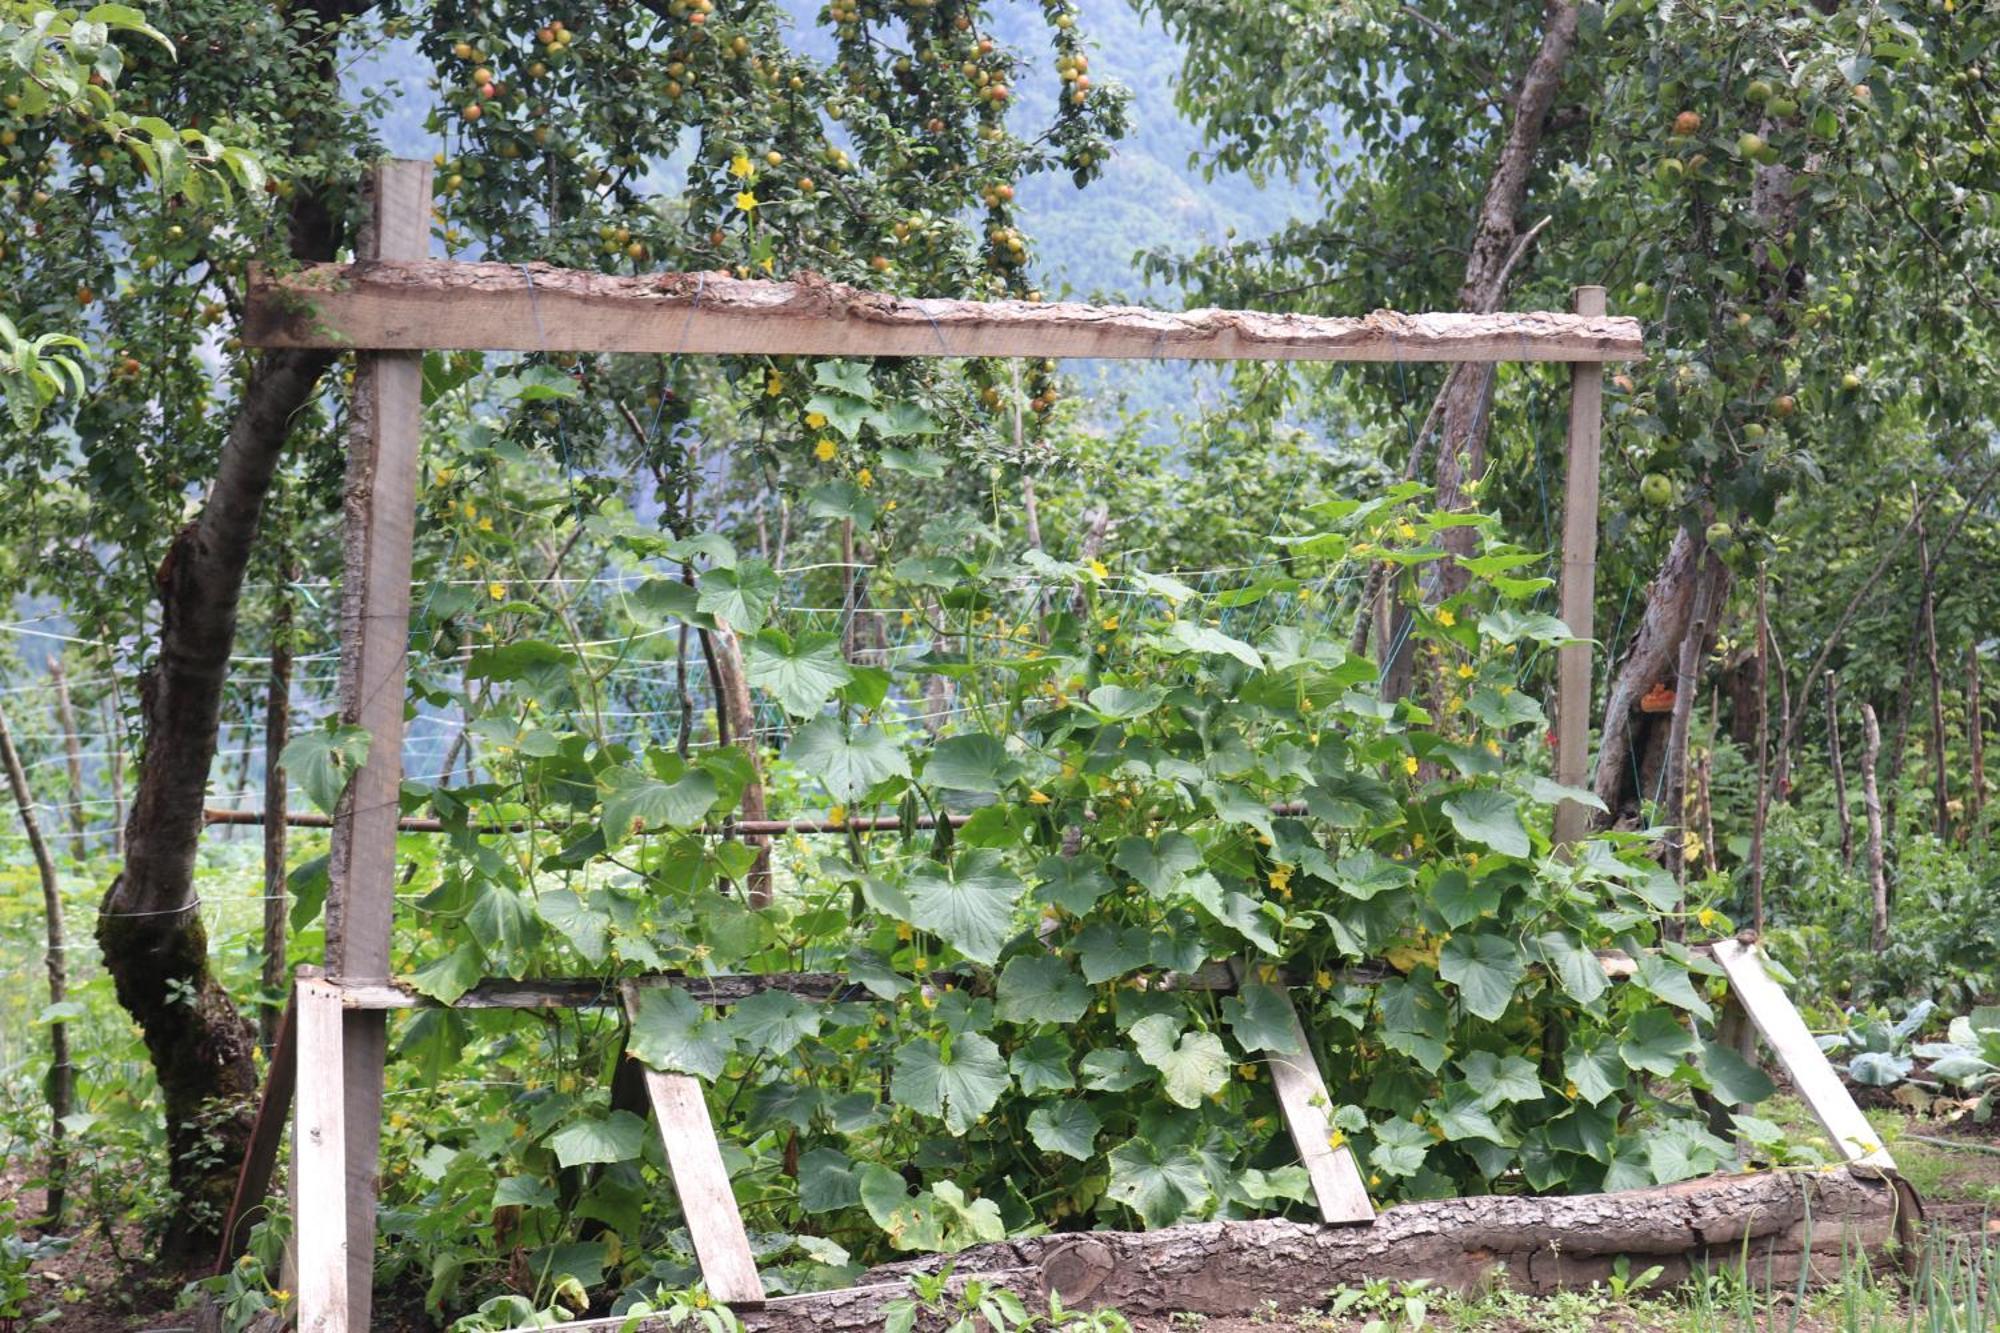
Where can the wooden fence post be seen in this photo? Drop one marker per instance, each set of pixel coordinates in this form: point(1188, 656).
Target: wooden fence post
point(1579, 578)
point(380, 513)
point(321, 1171)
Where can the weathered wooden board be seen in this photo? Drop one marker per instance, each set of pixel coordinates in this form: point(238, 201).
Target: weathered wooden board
point(533, 307)
point(320, 1165)
point(1579, 578)
point(380, 518)
point(708, 1201)
point(1779, 1024)
point(1338, 1189)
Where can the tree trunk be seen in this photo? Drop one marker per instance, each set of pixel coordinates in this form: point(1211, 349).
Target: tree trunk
point(1763, 811)
point(1941, 816)
point(114, 731)
point(149, 926)
point(1839, 774)
point(1687, 680)
point(277, 732)
point(1871, 801)
point(1975, 735)
point(733, 689)
point(79, 819)
point(1630, 741)
point(62, 1077)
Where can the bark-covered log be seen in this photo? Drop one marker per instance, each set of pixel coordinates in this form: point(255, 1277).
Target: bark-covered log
point(1779, 1222)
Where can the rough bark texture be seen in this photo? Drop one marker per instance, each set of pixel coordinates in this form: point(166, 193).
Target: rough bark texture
point(1871, 800)
point(62, 1076)
point(1628, 736)
point(1762, 816)
point(1975, 735)
point(149, 924)
point(277, 731)
point(1839, 772)
point(533, 307)
point(742, 725)
point(1781, 1223)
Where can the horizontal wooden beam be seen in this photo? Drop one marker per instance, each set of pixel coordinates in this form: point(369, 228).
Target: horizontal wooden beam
point(425, 304)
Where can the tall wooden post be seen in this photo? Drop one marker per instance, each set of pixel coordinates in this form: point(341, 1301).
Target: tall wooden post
point(1579, 577)
point(380, 513)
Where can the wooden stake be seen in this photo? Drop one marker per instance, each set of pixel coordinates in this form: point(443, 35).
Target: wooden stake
point(320, 1168)
point(260, 1158)
point(708, 1202)
point(277, 731)
point(1306, 1103)
point(1975, 735)
point(1778, 1022)
point(380, 513)
point(1579, 577)
point(62, 1077)
point(1871, 801)
point(1762, 815)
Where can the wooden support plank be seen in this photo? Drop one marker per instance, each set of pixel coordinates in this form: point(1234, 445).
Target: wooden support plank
point(708, 1201)
point(1307, 1105)
point(319, 1164)
point(1579, 577)
point(380, 515)
point(1785, 1032)
point(267, 1136)
point(533, 307)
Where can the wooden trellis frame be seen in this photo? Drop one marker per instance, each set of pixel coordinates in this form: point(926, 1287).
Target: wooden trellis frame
point(395, 303)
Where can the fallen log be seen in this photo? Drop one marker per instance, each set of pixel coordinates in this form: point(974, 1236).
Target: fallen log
point(1777, 1223)
point(1774, 1223)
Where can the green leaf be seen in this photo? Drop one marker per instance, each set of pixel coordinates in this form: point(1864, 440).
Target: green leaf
point(1111, 1070)
point(325, 761)
point(1506, 625)
point(1073, 883)
point(587, 929)
point(772, 1022)
point(846, 765)
point(801, 676)
point(1735, 1080)
point(617, 1137)
point(524, 1192)
point(674, 1034)
point(960, 1085)
point(848, 377)
point(1485, 968)
point(1462, 1114)
point(1598, 1071)
point(1107, 951)
point(1191, 1065)
point(636, 802)
point(1041, 989)
point(1669, 980)
point(1158, 863)
point(740, 597)
point(1575, 967)
point(1656, 1041)
point(1413, 1018)
point(1490, 819)
point(1260, 1018)
point(972, 907)
point(828, 1181)
point(1202, 639)
point(1116, 703)
point(446, 979)
point(846, 415)
point(1068, 1127)
point(1499, 1079)
point(976, 763)
point(1042, 1065)
point(1364, 874)
point(1400, 1148)
point(1159, 1184)
point(1682, 1151)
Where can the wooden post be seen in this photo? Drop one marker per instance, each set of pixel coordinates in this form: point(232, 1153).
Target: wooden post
point(320, 1174)
point(694, 1160)
point(1579, 577)
point(380, 512)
